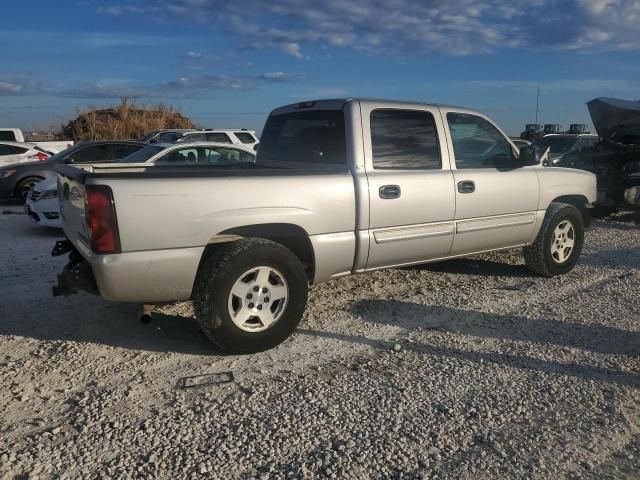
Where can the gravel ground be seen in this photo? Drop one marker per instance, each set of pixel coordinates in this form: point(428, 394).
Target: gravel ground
point(467, 369)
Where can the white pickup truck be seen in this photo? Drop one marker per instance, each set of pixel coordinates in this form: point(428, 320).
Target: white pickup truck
point(16, 135)
point(339, 187)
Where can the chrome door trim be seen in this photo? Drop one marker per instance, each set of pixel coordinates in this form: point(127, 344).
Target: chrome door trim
point(494, 222)
point(413, 232)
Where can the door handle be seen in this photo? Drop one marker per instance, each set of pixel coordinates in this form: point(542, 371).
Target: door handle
point(389, 191)
point(466, 186)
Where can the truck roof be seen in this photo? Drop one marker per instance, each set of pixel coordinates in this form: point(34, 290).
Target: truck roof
point(338, 103)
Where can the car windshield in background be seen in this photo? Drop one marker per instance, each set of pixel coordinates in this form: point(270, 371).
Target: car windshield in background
point(142, 155)
point(556, 144)
point(305, 137)
point(149, 136)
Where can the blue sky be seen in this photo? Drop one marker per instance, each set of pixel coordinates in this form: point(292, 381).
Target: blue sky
point(228, 63)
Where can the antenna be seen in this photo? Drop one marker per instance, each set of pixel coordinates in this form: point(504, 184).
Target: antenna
point(537, 102)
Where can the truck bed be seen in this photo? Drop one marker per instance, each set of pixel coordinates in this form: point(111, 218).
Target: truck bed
point(166, 216)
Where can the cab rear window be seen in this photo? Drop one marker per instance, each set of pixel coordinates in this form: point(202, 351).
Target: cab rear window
point(316, 137)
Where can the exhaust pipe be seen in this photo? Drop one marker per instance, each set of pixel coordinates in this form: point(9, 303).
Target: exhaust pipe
point(145, 313)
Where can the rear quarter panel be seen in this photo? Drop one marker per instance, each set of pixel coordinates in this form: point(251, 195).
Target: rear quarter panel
point(156, 214)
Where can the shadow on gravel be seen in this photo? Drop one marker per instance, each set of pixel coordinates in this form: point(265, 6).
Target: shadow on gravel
point(509, 360)
point(116, 326)
point(607, 257)
point(471, 266)
point(595, 338)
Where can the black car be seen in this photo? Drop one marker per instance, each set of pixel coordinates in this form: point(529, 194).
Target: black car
point(16, 180)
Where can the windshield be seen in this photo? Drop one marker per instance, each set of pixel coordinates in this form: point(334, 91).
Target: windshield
point(556, 144)
point(142, 155)
point(149, 136)
point(305, 137)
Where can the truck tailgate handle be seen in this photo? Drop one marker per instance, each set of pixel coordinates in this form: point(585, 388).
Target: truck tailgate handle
point(466, 186)
point(389, 191)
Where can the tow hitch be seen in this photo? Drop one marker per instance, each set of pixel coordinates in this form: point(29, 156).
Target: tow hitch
point(77, 275)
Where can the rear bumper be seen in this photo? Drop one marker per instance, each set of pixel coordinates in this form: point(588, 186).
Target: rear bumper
point(145, 277)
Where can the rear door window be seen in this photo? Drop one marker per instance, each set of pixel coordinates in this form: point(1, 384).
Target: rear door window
point(92, 153)
point(217, 137)
point(194, 137)
point(404, 140)
point(245, 137)
point(119, 152)
point(316, 136)
point(17, 150)
point(7, 136)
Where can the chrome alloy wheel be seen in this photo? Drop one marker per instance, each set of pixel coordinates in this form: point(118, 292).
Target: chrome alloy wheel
point(563, 241)
point(258, 299)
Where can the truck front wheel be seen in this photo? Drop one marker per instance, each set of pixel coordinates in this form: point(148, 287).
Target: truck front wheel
point(557, 247)
point(250, 295)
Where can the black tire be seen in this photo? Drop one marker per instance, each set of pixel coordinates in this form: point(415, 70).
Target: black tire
point(538, 256)
point(26, 184)
point(221, 269)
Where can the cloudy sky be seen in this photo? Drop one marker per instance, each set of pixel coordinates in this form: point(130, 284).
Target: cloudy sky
point(228, 63)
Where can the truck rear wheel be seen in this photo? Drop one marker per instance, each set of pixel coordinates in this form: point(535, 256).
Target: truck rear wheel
point(250, 295)
point(558, 245)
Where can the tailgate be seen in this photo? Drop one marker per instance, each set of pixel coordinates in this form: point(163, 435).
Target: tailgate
point(71, 194)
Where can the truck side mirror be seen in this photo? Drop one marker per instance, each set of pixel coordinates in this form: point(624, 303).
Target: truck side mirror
point(528, 156)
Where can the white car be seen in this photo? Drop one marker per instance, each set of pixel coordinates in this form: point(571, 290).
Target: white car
point(198, 153)
point(42, 203)
point(247, 138)
point(20, 152)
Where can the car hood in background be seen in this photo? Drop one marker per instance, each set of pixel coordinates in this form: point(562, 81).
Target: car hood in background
point(616, 120)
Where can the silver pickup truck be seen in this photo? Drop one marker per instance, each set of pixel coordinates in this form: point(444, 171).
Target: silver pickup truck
point(339, 187)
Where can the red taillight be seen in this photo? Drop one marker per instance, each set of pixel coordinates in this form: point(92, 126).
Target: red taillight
point(40, 156)
point(101, 220)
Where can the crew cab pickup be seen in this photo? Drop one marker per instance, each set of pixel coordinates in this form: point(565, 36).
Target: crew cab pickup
point(339, 187)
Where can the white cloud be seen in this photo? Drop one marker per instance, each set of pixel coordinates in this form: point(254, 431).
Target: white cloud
point(406, 27)
point(10, 88)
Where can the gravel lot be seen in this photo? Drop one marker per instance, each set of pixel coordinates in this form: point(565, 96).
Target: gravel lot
point(467, 369)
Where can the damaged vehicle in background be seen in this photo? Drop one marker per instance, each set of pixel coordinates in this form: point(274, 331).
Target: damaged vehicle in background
point(560, 145)
point(615, 159)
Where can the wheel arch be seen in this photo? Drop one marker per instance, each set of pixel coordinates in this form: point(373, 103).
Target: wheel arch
point(18, 183)
point(580, 202)
point(289, 235)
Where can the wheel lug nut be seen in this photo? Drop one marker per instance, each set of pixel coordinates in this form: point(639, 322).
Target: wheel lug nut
point(264, 290)
point(266, 299)
point(259, 307)
point(249, 296)
point(251, 305)
point(256, 289)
